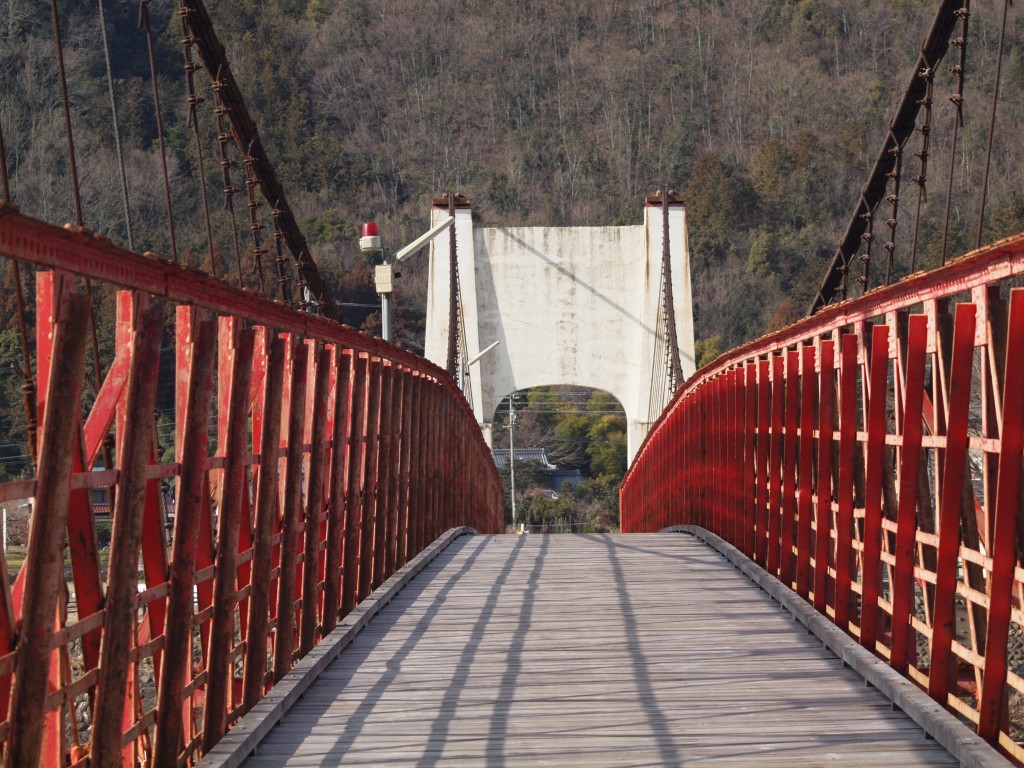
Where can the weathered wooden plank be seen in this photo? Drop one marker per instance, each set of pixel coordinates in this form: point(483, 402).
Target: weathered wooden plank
point(598, 650)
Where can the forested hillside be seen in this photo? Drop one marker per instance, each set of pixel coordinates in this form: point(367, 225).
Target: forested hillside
point(766, 115)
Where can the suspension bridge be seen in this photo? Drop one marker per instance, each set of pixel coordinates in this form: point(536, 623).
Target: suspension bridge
point(821, 557)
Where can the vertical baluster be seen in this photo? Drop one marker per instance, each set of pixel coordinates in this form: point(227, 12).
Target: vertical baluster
point(316, 478)
point(906, 513)
point(993, 697)
point(195, 350)
point(356, 477)
point(229, 509)
point(339, 480)
point(789, 441)
point(808, 389)
point(284, 637)
point(267, 493)
point(385, 469)
point(774, 512)
point(761, 491)
point(375, 385)
point(844, 515)
point(871, 561)
point(943, 622)
point(823, 491)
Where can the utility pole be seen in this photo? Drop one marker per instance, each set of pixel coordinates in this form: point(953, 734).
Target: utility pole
point(512, 453)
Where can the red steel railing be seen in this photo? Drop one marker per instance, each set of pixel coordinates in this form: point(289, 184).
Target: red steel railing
point(338, 457)
point(870, 458)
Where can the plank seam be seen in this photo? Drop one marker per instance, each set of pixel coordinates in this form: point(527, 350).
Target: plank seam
point(960, 741)
point(240, 742)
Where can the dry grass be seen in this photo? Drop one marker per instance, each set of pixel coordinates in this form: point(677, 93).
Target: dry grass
point(15, 559)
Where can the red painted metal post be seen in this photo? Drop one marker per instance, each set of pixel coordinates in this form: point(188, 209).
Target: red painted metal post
point(429, 478)
point(750, 458)
point(314, 502)
point(196, 346)
point(257, 647)
point(445, 495)
point(739, 474)
point(399, 472)
point(284, 637)
point(943, 621)
point(808, 389)
point(844, 515)
point(354, 492)
point(775, 465)
point(787, 566)
point(408, 439)
point(729, 466)
point(716, 478)
point(385, 469)
point(823, 489)
point(871, 564)
point(717, 465)
point(906, 513)
point(238, 373)
point(370, 488)
point(419, 505)
point(763, 441)
point(993, 699)
point(436, 458)
point(339, 482)
point(122, 573)
point(709, 493)
point(44, 564)
point(82, 545)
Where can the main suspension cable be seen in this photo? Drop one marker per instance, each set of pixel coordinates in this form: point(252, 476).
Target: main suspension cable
point(223, 137)
point(959, 69)
point(921, 180)
point(194, 100)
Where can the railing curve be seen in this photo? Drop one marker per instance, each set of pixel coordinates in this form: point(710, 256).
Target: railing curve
point(870, 458)
point(309, 463)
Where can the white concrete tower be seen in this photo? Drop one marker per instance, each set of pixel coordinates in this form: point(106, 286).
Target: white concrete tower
point(570, 305)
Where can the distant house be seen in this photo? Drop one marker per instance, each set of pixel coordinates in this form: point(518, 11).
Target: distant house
point(556, 477)
point(536, 455)
point(560, 477)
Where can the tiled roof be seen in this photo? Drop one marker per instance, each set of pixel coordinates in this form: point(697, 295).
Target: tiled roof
point(537, 455)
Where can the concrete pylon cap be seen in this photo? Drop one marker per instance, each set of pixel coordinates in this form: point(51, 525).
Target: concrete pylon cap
point(461, 201)
point(655, 198)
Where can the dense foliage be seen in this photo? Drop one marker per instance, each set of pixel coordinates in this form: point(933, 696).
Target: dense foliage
point(578, 429)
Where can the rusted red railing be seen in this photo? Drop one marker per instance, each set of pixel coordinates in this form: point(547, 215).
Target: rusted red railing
point(337, 458)
point(870, 458)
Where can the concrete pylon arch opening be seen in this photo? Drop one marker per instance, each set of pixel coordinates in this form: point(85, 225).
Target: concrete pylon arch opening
point(577, 428)
point(561, 449)
point(582, 306)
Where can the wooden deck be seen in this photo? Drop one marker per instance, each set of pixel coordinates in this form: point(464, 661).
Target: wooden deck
point(646, 649)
